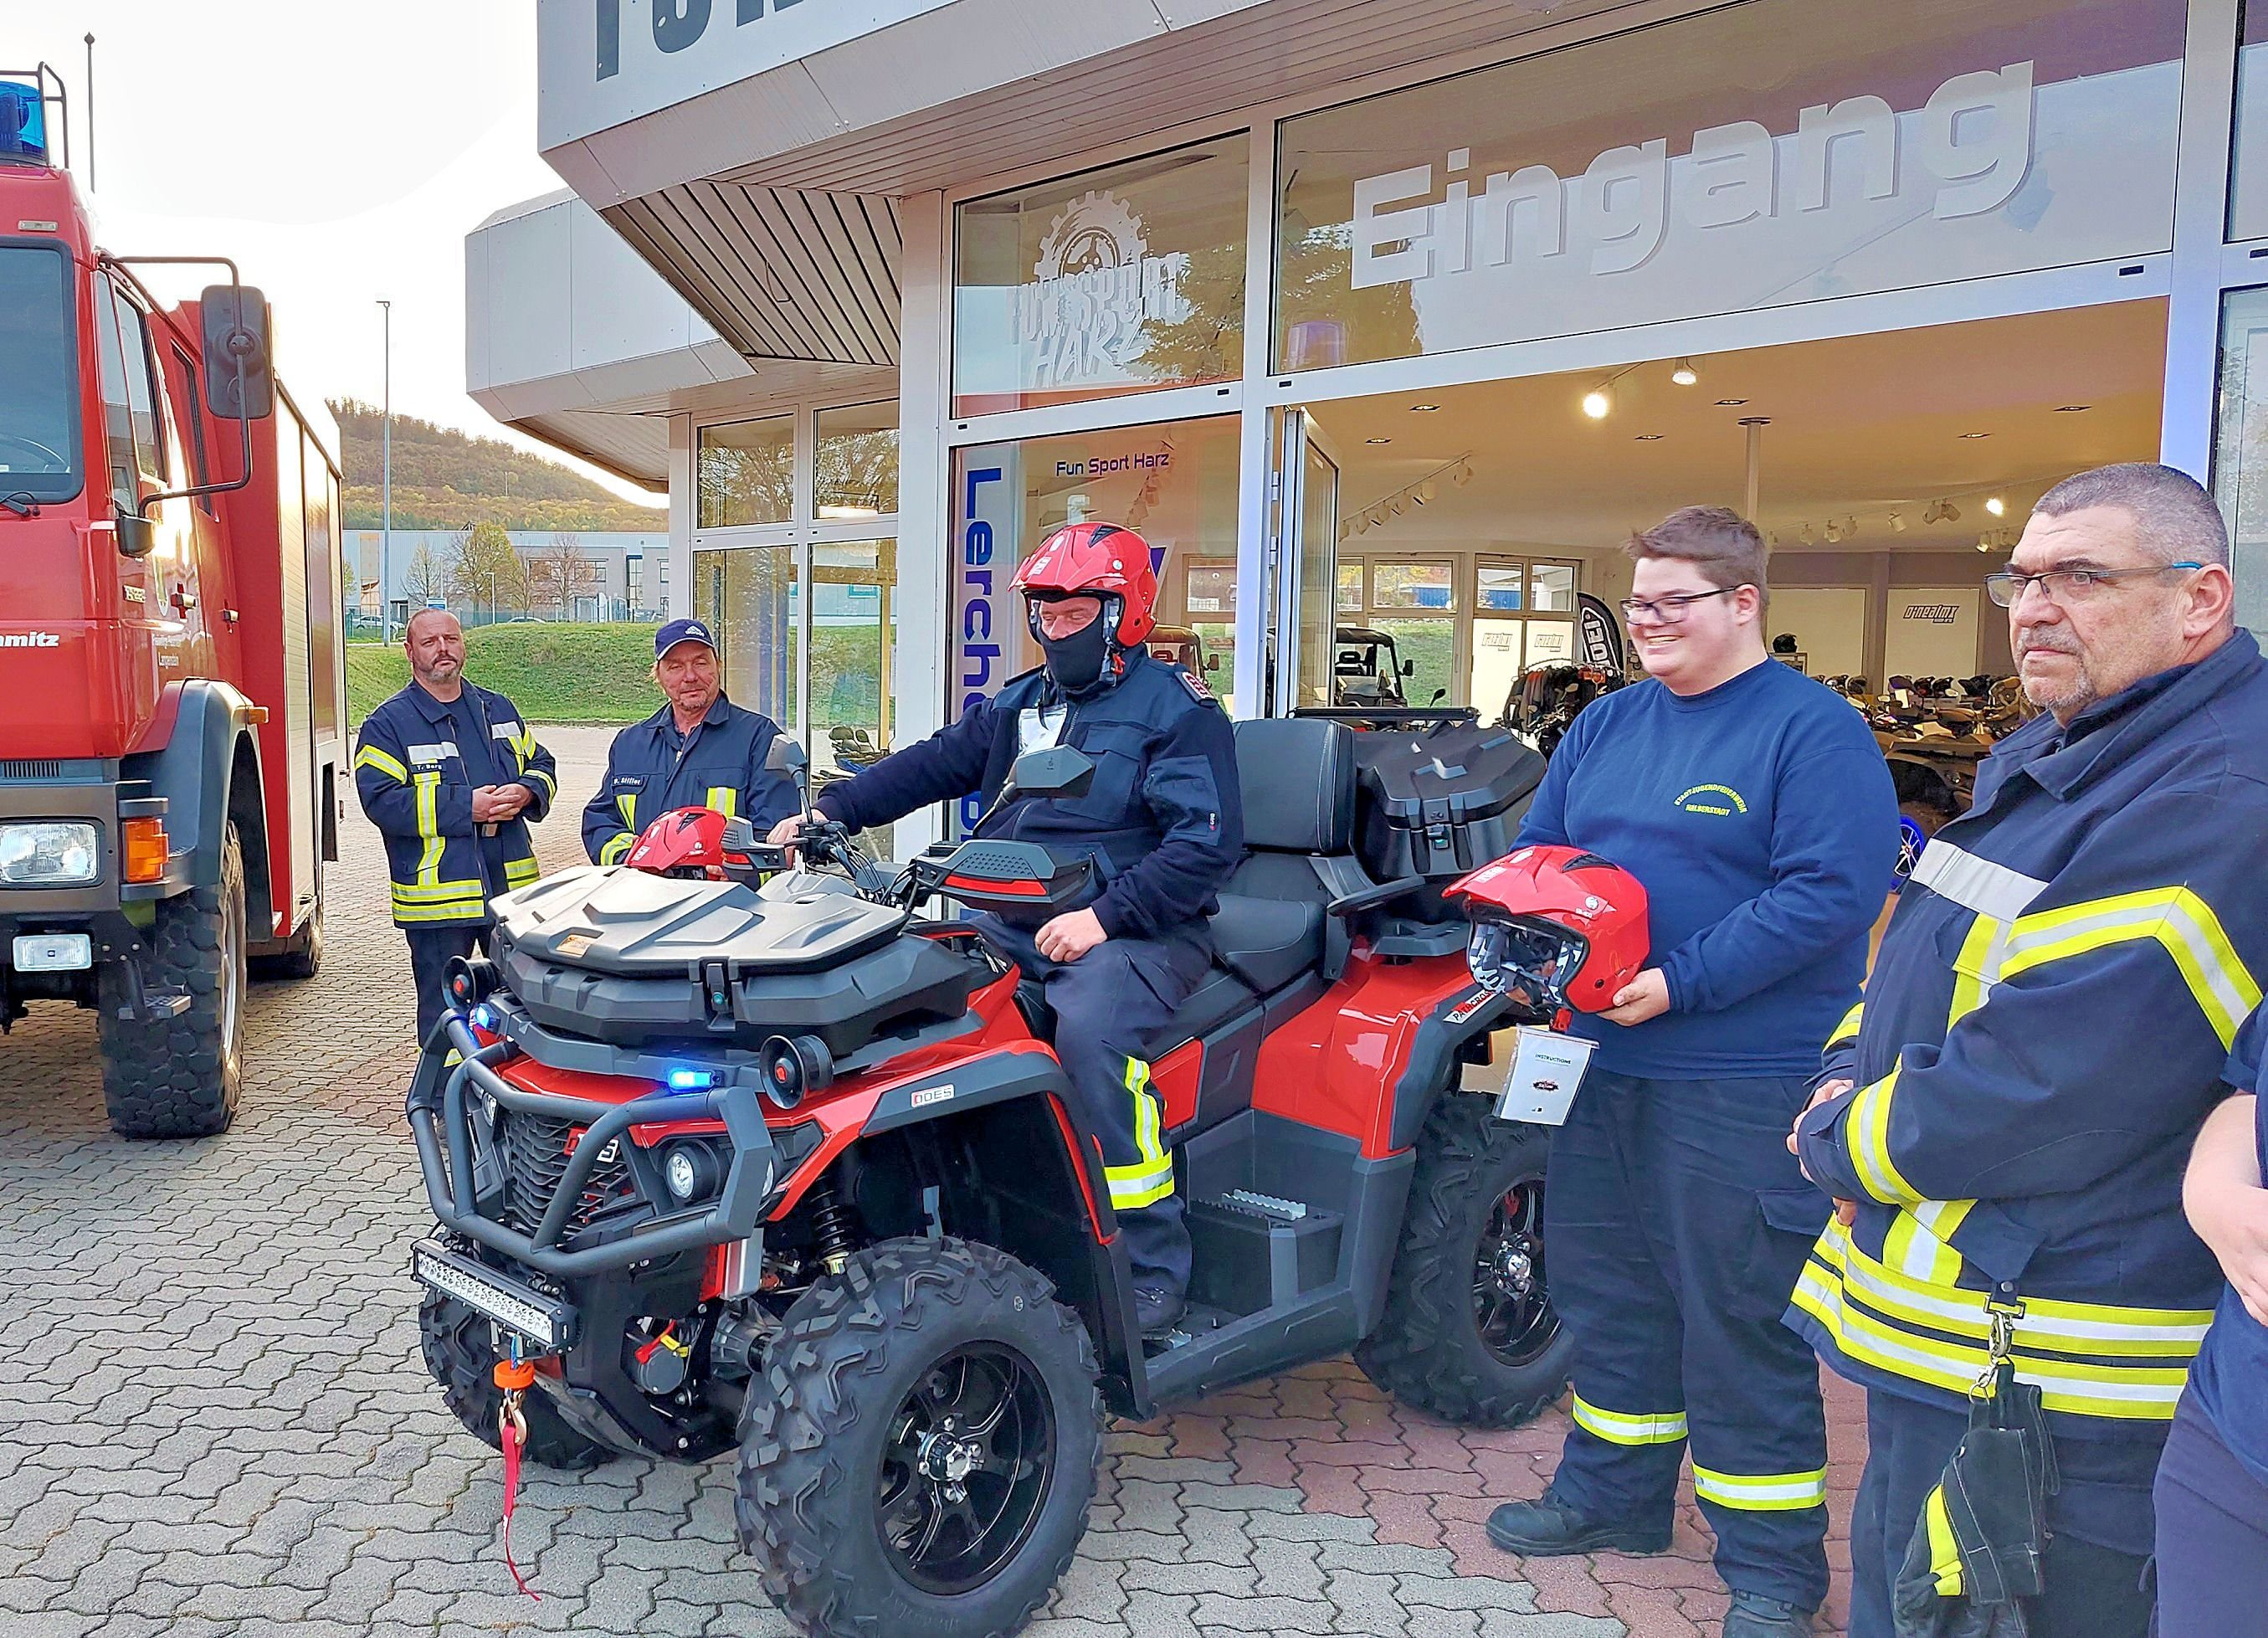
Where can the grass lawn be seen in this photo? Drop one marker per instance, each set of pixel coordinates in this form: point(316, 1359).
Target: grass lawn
point(554, 673)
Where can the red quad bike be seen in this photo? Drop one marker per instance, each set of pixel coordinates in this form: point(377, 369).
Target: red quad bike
point(773, 1165)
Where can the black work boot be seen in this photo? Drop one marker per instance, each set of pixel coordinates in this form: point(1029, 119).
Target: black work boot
point(1755, 1616)
point(1550, 1529)
point(1157, 1308)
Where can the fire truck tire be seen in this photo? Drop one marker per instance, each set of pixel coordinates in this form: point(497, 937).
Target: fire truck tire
point(303, 956)
point(180, 1077)
point(924, 1364)
point(455, 1342)
point(1467, 1334)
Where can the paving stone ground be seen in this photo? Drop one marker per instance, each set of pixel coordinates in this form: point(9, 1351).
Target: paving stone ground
point(213, 1420)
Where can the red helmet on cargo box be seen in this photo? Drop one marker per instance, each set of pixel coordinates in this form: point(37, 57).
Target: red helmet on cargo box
point(1554, 927)
point(1096, 560)
point(684, 841)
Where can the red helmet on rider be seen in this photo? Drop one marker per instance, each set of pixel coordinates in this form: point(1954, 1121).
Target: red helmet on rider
point(1555, 929)
point(1094, 560)
point(684, 841)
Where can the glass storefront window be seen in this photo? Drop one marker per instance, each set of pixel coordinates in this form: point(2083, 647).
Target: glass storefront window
point(1555, 587)
point(854, 639)
point(1174, 483)
point(748, 472)
point(751, 596)
point(1501, 588)
point(1351, 592)
point(1118, 281)
point(2247, 172)
point(856, 475)
point(1209, 616)
point(2239, 465)
point(1431, 585)
point(1848, 150)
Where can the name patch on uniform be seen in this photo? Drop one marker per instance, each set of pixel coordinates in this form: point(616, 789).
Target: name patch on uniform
point(1197, 688)
point(432, 753)
point(1712, 799)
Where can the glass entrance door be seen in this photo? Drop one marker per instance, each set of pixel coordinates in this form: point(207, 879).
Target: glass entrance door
point(1309, 528)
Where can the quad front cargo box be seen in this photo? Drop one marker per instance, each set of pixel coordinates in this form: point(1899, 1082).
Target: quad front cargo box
point(1441, 803)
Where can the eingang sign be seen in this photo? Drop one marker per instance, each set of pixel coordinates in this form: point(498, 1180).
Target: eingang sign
point(604, 62)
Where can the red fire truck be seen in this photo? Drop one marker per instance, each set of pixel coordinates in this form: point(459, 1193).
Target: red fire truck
point(172, 752)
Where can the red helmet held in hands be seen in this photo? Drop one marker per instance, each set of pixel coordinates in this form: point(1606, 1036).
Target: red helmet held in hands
point(1554, 928)
point(1096, 560)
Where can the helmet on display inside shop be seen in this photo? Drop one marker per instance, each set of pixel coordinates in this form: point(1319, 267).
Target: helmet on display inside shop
point(684, 841)
point(1094, 560)
point(1555, 929)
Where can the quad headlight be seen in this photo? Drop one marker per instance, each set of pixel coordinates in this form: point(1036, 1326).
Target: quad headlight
point(49, 853)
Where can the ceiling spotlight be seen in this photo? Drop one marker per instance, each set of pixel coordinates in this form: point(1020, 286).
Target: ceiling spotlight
point(1971, 437)
point(1685, 374)
point(1834, 532)
point(1377, 441)
point(1950, 512)
point(1397, 506)
point(1730, 404)
point(1649, 438)
point(1774, 538)
point(1897, 523)
point(1806, 535)
point(1423, 493)
point(2072, 409)
point(1462, 476)
point(1597, 405)
point(1985, 543)
point(1423, 408)
point(1997, 506)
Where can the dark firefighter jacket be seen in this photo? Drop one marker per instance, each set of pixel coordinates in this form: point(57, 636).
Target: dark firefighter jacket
point(652, 768)
point(2043, 1034)
point(417, 783)
point(1163, 819)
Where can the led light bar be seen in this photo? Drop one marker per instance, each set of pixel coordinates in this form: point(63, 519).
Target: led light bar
point(494, 1301)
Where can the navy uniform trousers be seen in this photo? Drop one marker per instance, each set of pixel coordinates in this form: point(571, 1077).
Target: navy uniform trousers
point(1675, 1224)
point(2212, 1536)
point(1107, 1005)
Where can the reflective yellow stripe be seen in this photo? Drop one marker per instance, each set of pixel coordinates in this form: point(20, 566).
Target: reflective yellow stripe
point(1978, 968)
point(426, 891)
point(1867, 1132)
point(1848, 1030)
point(429, 826)
point(520, 871)
point(371, 756)
point(446, 901)
point(721, 799)
point(2177, 919)
point(1920, 1241)
point(1621, 1427)
point(1761, 1493)
point(1145, 1181)
point(550, 785)
point(1944, 1550)
point(615, 846)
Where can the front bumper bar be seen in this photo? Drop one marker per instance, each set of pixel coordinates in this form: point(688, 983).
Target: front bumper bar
point(441, 1115)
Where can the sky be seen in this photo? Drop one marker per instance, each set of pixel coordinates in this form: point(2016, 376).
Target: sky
point(339, 150)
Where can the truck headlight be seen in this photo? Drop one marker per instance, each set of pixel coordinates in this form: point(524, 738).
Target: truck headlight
point(45, 853)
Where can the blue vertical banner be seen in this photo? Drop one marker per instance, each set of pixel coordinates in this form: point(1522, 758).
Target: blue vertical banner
point(988, 641)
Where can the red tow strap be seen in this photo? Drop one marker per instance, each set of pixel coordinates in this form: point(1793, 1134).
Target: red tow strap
point(513, 1377)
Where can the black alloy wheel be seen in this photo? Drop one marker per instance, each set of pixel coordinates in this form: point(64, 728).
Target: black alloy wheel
point(966, 1473)
point(1511, 1306)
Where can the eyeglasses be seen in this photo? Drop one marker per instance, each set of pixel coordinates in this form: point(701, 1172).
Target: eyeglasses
point(1669, 610)
point(2007, 586)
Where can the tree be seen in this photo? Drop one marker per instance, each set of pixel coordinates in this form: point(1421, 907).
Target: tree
point(426, 577)
point(487, 571)
point(560, 573)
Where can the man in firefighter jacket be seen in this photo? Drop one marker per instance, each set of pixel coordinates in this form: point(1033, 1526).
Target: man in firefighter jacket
point(2042, 1037)
point(699, 750)
point(1753, 807)
point(451, 776)
point(1163, 820)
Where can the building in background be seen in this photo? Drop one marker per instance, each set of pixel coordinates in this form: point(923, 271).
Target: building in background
point(1376, 315)
point(564, 575)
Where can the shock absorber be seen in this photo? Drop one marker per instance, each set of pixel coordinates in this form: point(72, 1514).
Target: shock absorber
point(830, 1227)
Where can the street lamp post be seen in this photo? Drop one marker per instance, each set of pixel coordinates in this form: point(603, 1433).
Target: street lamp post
point(386, 536)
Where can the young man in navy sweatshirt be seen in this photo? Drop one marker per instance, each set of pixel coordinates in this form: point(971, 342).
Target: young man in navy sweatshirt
point(1757, 811)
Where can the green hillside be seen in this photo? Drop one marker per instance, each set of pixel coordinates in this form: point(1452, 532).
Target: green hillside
point(445, 479)
point(554, 673)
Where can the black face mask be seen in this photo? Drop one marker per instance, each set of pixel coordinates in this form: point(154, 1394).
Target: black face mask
point(1076, 661)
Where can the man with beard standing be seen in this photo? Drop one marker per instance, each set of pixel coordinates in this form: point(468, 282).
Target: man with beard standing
point(2042, 1035)
point(451, 776)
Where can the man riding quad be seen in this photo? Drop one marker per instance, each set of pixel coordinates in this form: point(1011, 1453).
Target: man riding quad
point(1163, 820)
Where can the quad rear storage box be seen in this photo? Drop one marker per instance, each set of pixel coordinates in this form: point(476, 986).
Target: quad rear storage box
point(1439, 803)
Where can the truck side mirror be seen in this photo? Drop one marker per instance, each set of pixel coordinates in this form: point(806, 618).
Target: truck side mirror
point(236, 334)
point(136, 534)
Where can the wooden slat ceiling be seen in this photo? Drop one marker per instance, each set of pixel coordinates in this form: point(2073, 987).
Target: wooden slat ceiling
point(779, 272)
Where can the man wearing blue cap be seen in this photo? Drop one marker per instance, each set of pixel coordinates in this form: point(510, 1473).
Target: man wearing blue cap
point(699, 750)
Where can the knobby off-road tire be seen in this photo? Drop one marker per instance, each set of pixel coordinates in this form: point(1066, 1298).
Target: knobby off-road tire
point(180, 1077)
point(303, 957)
point(455, 1342)
point(852, 1384)
point(1477, 1179)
